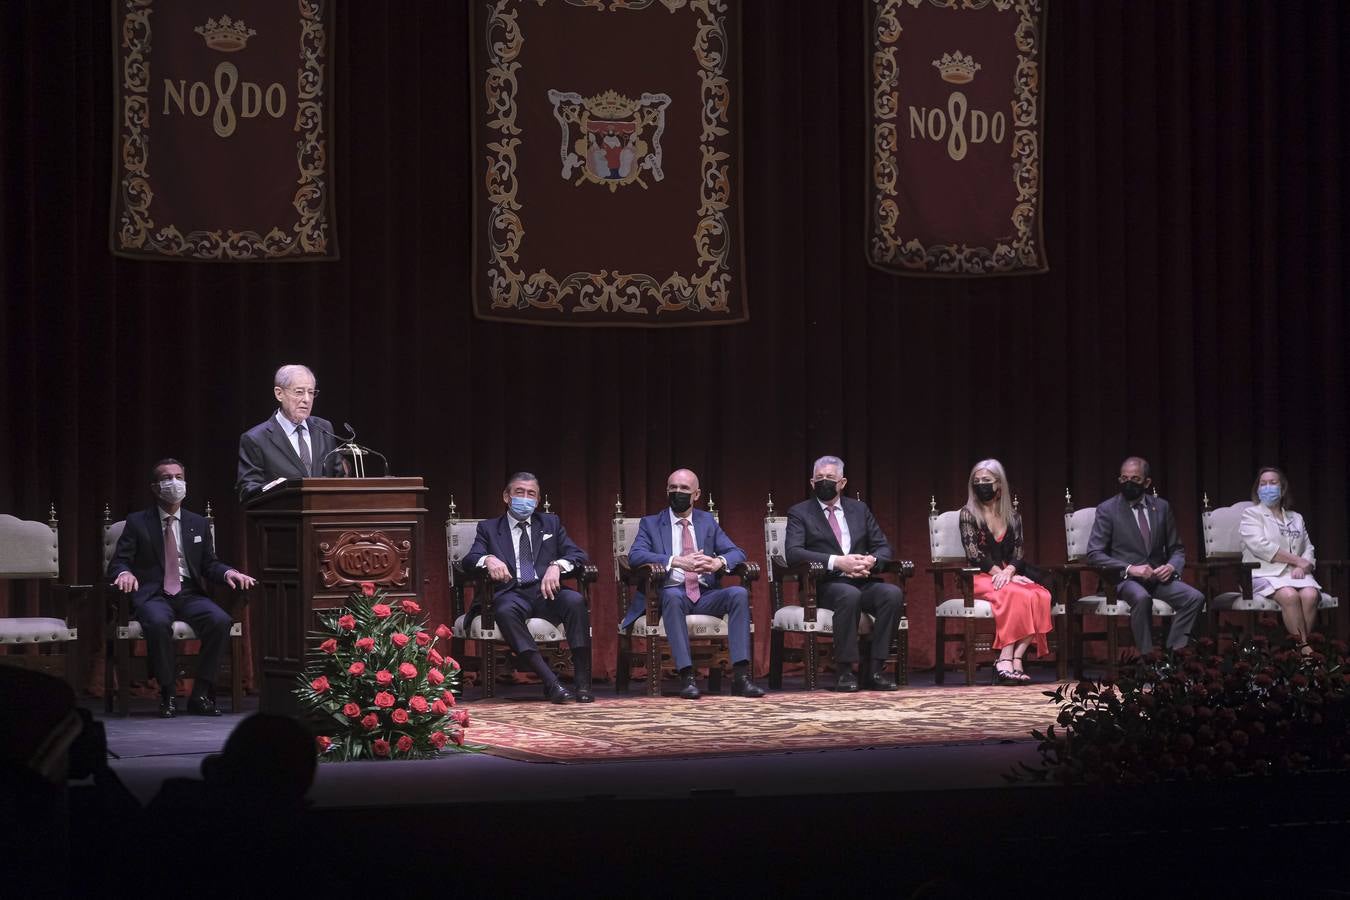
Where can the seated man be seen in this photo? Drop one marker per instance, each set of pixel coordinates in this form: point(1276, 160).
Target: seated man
point(165, 558)
point(291, 443)
point(526, 552)
point(1134, 537)
point(843, 536)
point(695, 551)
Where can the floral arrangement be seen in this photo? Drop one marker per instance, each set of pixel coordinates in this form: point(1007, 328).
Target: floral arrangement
point(378, 679)
point(1200, 715)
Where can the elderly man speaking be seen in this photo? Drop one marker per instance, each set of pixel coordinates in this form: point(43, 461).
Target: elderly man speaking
point(291, 443)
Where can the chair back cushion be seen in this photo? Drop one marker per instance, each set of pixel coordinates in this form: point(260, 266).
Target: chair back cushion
point(28, 549)
point(1222, 529)
point(625, 532)
point(459, 535)
point(1078, 530)
point(944, 537)
point(775, 541)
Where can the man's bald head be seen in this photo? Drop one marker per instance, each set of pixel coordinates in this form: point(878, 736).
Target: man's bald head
point(682, 480)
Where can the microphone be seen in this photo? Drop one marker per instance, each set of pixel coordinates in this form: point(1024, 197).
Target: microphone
point(355, 450)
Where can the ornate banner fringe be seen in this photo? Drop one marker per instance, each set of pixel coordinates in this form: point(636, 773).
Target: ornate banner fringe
point(954, 175)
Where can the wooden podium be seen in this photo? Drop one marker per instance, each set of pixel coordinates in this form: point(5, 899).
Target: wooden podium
point(311, 541)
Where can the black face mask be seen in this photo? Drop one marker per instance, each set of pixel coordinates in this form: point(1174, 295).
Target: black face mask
point(1131, 490)
point(984, 492)
point(680, 500)
point(826, 490)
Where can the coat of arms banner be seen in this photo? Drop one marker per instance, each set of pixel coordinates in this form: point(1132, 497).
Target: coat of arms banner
point(954, 180)
point(607, 157)
point(221, 130)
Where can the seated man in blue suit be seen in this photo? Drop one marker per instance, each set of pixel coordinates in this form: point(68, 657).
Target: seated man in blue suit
point(526, 552)
point(695, 551)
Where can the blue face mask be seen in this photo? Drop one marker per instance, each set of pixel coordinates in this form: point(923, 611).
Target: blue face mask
point(523, 507)
point(1269, 494)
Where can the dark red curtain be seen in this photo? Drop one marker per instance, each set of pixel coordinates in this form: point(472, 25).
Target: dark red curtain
point(1193, 313)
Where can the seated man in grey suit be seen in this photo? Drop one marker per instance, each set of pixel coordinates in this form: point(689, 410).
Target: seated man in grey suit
point(1135, 538)
point(291, 443)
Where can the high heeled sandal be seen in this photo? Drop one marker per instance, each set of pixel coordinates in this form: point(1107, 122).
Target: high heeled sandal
point(1019, 675)
point(1005, 676)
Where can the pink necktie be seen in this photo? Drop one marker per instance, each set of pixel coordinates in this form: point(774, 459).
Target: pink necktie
point(1143, 528)
point(834, 524)
point(173, 580)
point(691, 588)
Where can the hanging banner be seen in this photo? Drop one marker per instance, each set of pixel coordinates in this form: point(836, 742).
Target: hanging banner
point(607, 156)
point(221, 130)
point(954, 180)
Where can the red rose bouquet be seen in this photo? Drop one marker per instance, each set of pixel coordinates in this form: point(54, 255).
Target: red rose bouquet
point(376, 677)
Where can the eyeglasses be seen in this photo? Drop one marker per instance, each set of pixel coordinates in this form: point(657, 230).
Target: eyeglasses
point(301, 393)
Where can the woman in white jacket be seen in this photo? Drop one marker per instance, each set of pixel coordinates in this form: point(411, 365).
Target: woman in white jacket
point(1273, 536)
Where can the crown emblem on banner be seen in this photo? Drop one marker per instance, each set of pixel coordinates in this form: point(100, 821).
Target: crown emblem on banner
point(225, 36)
point(956, 68)
point(611, 105)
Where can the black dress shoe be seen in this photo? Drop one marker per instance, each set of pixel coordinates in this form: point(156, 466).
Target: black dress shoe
point(742, 686)
point(690, 689)
point(202, 706)
point(556, 693)
point(584, 694)
point(846, 682)
point(883, 682)
point(167, 709)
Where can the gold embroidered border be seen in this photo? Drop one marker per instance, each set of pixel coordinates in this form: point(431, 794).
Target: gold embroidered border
point(137, 233)
point(705, 290)
point(888, 248)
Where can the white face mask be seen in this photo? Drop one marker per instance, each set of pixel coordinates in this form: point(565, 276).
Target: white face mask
point(171, 490)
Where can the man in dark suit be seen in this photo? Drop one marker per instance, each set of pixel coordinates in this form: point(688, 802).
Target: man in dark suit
point(695, 551)
point(291, 443)
point(526, 552)
point(164, 559)
point(1135, 538)
point(843, 536)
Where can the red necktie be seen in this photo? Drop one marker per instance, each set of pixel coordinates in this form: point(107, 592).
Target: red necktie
point(173, 579)
point(1143, 528)
point(687, 548)
point(834, 524)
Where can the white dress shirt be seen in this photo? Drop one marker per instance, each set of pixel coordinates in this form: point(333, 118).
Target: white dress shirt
point(845, 538)
point(292, 432)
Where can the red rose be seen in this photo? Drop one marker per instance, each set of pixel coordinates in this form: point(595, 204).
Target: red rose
point(400, 639)
point(423, 639)
point(435, 676)
point(384, 699)
point(454, 664)
point(329, 646)
point(418, 704)
point(319, 684)
point(347, 623)
point(459, 738)
point(381, 747)
point(351, 711)
point(356, 668)
point(434, 655)
point(461, 717)
point(405, 744)
point(323, 743)
point(380, 610)
point(439, 708)
point(448, 697)
point(410, 607)
point(443, 633)
point(384, 676)
point(438, 739)
point(407, 670)
point(400, 716)
point(370, 722)
point(365, 645)
point(368, 588)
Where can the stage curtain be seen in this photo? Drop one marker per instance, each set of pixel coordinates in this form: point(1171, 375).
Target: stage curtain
point(1194, 313)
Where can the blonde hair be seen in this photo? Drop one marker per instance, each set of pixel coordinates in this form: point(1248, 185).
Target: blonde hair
point(1004, 499)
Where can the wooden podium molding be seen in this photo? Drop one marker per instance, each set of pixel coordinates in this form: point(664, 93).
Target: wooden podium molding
point(311, 541)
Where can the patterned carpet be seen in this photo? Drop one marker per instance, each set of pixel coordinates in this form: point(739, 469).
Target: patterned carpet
point(668, 727)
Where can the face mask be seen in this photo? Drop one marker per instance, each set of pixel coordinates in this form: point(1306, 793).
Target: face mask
point(1269, 494)
point(826, 490)
point(523, 507)
point(171, 490)
point(680, 500)
point(984, 492)
point(1132, 490)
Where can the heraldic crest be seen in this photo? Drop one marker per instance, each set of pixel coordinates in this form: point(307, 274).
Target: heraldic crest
point(610, 139)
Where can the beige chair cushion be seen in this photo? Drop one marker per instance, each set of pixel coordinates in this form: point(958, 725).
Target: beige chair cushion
point(540, 629)
point(793, 618)
point(1078, 530)
point(181, 631)
point(944, 536)
point(1097, 606)
point(27, 549)
point(698, 626)
point(1232, 602)
point(957, 609)
point(459, 535)
point(1223, 529)
point(36, 631)
point(775, 542)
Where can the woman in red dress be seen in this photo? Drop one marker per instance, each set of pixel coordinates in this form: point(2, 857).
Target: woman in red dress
point(991, 531)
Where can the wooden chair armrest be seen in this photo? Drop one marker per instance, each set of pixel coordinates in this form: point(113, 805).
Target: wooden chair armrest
point(1220, 565)
point(746, 571)
point(903, 569)
point(942, 568)
point(586, 573)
